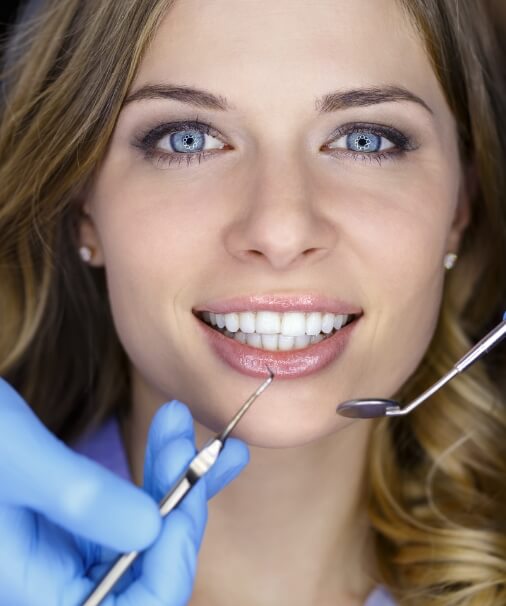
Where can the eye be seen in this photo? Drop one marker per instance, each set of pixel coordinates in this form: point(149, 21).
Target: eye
point(188, 140)
point(370, 141)
point(179, 142)
point(363, 141)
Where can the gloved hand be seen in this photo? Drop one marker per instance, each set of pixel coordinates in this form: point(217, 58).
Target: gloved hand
point(64, 518)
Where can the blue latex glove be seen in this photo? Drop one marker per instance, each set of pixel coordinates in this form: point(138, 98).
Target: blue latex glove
point(63, 518)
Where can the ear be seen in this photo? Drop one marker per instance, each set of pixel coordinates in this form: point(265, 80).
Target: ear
point(462, 216)
point(88, 236)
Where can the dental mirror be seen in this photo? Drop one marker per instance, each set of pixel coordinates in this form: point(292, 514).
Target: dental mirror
point(368, 409)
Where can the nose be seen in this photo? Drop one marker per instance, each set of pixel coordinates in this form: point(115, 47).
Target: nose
point(278, 221)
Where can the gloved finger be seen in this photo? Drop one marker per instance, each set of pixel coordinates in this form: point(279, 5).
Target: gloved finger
point(171, 421)
point(174, 419)
point(167, 456)
point(169, 566)
point(175, 456)
point(169, 450)
point(231, 461)
point(40, 472)
point(167, 466)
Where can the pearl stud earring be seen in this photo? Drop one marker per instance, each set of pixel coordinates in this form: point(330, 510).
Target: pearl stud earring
point(86, 253)
point(450, 260)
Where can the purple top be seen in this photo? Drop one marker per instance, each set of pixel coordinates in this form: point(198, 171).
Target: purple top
point(105, 446)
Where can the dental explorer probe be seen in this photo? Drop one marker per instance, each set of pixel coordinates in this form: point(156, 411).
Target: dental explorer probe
point(367, 409)
point(198, 466)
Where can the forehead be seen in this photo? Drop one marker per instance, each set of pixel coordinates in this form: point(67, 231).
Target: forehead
point(277, 52)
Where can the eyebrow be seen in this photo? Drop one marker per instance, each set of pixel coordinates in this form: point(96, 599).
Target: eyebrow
point(336, 100)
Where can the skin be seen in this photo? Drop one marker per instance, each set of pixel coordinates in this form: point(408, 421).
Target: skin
point(273, 212)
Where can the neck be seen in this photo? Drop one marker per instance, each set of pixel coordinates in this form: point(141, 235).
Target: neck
point(291, 528)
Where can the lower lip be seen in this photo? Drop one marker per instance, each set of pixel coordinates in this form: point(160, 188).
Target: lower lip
point(284, 364)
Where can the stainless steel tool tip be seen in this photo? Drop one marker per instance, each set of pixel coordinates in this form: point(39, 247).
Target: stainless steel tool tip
point(366, 409)
point(237, 417)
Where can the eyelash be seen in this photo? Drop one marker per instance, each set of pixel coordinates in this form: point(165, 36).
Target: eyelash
point(147, 142)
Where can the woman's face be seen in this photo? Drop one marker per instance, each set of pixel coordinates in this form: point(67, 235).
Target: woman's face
point(345, 204)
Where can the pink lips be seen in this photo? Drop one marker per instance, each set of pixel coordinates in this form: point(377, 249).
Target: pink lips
point(285, 364)
point(306, 303)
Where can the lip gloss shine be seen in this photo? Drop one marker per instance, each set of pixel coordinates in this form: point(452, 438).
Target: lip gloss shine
point(252, 362)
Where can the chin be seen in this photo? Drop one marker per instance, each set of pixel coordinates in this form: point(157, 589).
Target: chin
point(283, 431)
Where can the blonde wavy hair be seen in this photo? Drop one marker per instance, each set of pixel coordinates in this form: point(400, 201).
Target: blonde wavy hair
point(437, 478)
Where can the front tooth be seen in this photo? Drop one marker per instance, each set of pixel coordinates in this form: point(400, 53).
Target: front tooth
point(327, 323)
point(270, 342)
point(302, 341)
point(293, 324)
point(285, 343)
point(339, 321)
point(254, 340)
point(268, 322)
point(232, 322)
point(247, 321)
point(220, 320)
point(314, 323)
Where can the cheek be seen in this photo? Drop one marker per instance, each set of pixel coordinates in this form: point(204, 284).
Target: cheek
point(397, 227)
point(399, 237)
point(149, 228)
point(155, 252)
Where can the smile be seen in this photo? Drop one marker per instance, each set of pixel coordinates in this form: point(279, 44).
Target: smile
point(294, 335)
point(276, 331)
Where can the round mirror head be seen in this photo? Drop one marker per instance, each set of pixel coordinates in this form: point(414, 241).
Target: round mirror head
point(365, 409)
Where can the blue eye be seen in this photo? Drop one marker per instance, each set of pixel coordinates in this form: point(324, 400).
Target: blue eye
point(190, 141)
point(363, 142)
point(186, 140)
point(179, 142)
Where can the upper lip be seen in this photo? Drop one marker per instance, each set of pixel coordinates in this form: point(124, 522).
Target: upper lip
point(305, 302)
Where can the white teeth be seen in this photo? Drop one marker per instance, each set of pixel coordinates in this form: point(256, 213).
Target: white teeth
point(232, 322)
point(254, 340)
point(302, 341)
point(268, 322)
point(314, 323)
point(293, 324)
point(247, 321)
point(274, 342)
point(273, 330)
point(339, 321)
point(328, 323)
point(285, 343)
point(270, 342)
